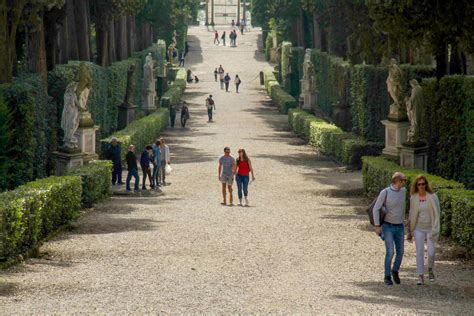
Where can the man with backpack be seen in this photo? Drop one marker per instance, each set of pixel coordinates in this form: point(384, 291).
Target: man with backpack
point(227, 82)
point(210, 105)
point(388, 217)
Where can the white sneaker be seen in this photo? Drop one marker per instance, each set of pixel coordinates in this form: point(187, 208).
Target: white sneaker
point(240, 202)
point(246, 201)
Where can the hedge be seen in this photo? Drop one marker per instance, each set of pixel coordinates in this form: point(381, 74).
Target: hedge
point(457, 203)
point(140, 133)
point(32, 211)
point(96, 178)
point(282, 99)
point(269, 79)
point(176, 90)
point(330, 139)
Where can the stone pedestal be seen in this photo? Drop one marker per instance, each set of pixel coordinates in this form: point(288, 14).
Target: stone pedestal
point(395, 136)
point(126, 115)
point(65, 162)
point(414, 157)
point(87, 141)
point(307, 97)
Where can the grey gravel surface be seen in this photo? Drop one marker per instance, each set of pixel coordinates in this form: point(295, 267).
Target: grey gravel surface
point(304, 245)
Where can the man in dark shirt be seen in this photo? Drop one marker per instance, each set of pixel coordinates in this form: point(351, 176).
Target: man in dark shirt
point(132, 168)
point(172, 109)
point(145, 160)
point(113, 154)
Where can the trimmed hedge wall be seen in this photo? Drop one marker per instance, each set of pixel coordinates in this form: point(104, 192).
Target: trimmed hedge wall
point(457, 204)
point(96, 179)
point(330, 139)
point(140, 133)
point(34, 210)
point(175, 91)
point(279, 96)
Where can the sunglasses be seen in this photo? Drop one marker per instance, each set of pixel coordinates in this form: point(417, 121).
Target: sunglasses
point(421, 184)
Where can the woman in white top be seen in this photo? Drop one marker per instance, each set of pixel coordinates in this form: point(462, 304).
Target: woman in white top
point(423, 224)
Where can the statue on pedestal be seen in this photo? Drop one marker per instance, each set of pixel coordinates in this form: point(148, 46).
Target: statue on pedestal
point(395, 89)
point(306, 64)
point(130, 90)
point(149, 88)
point(414, 110)
point(70, 116)
point(84, 85)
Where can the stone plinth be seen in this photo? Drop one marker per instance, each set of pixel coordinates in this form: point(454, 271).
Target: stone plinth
point(395, 136)
point(65, 162)
point(414, 157)
point(126, 115)
point(87, 141)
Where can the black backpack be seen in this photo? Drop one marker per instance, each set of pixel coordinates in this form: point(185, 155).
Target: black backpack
point(370, 210)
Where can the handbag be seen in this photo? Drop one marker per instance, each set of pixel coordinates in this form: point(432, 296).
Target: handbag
point(168, 169)
point(370, 210)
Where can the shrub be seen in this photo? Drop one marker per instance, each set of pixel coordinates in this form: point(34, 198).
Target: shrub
point(282, 99)
point(377, 173)
point(34, 210)
point(21, 127)
point(4, 140)
point(176, 90)
point(141, 132)
point(270, 79)
point(96, 177)
point(268, 45)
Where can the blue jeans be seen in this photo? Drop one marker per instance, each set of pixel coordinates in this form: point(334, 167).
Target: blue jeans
point(394, 235)
point(242, 183)
point(117, 173)
point(133, 173)
point(156, 174)
point(209, 114)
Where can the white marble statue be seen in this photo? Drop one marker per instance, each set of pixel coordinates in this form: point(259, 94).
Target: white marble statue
point(149, 89)
point(70, 116)
point(414, 110)
point(395, 88)
point(307, 64)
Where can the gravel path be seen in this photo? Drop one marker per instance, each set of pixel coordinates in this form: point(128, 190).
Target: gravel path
point(303, 246)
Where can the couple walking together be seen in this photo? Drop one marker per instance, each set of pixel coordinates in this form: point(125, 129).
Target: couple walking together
point(240, 169)
point(423, 224)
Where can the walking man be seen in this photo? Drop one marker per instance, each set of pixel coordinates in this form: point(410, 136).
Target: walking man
point(392, 202)
point(132, 167)
point(145, 160)
point(172, 109)
point(227, 82)
point(237, 82)
point(222, 79)
point(184, 114)
point(113, 153)
point(165, 159)
point(216, 38)
point(156, 164)
point(225, 174)
point(223, 38)
point(210, 105)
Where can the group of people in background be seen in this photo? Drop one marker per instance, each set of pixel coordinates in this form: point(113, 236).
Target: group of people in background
point(232, 37)
point(154, 162)
point(423, 224)
point(184, 116)
point(225, 79)
point(240, 169)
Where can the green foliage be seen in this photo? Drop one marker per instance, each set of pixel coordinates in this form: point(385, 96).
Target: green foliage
point(268, 46)
point(377, 173)
point(141, 132)
point(269, 79)
point(21, 126)
point(330, 139)
point(34, 210)
point(4, 140)
point(176, 90)
point(282, 99)
point(96, 177)
point(286, 57)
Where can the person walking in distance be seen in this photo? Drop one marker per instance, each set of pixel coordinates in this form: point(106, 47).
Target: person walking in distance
point(156, 164)
point(222, 79)
point(184, 114)
point(242, 27)
point(216, 74)
point(145, 160)
point(227, 82)
point(172, 109)
point(223, 38)
point(165, 159)
point(113, 154)
point(235, 38)
point(244, 168)
point(210, 106)
point(237, 82)
point(216, 38)
point(391, 229)
point(424, 224)
point(132, 167)
point(225, 174)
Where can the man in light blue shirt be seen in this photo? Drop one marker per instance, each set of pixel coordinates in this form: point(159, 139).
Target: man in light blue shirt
point(156, 164)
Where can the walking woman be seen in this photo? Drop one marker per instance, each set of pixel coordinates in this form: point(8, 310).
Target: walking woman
point(237, 82)
point(244, 168)
point(423, 224)
point(184, 114)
